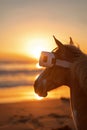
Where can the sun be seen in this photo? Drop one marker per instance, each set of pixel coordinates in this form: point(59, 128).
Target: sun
point(34, 46)
point(38, 45)
point(37, 50)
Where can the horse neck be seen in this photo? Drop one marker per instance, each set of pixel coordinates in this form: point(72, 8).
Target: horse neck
point(77, 75)
point(78, 95)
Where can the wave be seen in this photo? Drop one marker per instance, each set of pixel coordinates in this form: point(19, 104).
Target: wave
point(13, 75)
point(14, 78)
point(17, 62)
point(22, 71)
point(15, 84)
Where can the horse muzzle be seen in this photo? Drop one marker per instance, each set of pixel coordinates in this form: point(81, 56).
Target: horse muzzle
point(40, 88)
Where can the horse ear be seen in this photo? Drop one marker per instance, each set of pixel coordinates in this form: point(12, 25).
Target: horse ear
point(71, 41)
point(59, 44)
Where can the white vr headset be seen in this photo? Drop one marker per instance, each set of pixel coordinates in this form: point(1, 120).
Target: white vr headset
point(48, 59)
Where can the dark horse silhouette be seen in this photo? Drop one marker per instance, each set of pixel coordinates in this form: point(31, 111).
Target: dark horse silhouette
point(74, 76)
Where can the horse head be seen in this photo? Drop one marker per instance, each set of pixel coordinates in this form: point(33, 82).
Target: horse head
point(58, 74)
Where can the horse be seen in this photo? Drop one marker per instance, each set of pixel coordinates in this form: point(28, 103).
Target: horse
point(74, 76)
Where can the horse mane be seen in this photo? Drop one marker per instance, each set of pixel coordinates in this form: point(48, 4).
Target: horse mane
point(79, 67)
point(75, 51)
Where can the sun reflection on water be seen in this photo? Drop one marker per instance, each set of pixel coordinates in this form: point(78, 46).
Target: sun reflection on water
point(38, 97)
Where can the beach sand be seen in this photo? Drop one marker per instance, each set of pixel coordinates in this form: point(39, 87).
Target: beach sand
point(37, 115)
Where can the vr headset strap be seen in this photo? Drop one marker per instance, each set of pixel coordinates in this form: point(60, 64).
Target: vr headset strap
point(63, 63)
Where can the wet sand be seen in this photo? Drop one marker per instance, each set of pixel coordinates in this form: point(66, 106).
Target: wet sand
point(37, 115)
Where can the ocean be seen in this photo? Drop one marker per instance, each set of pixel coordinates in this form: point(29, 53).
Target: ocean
point(17, 79)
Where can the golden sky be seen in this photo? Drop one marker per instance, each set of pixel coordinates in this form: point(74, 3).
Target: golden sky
point(26, 25)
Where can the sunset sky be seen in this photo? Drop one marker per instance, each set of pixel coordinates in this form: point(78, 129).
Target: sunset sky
point(26, 25)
